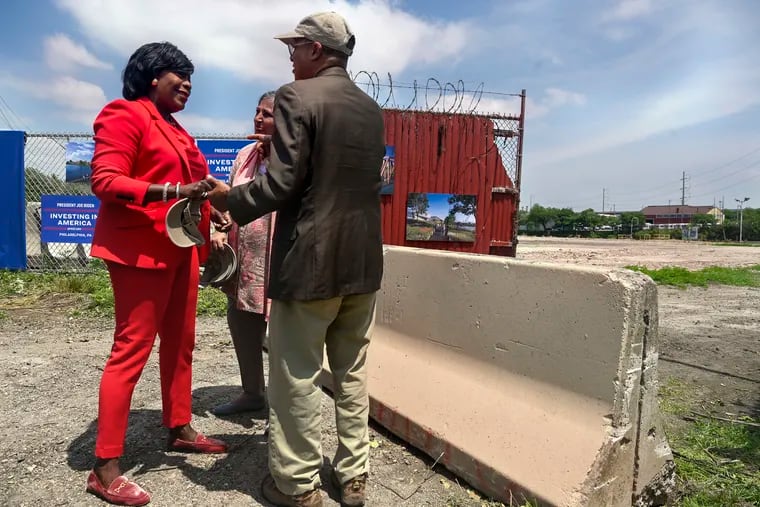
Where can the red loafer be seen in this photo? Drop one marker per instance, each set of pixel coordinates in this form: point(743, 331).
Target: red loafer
point(202, 444)
point(122, 491)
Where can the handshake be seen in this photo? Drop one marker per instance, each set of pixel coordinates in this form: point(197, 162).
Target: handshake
point(217, 194)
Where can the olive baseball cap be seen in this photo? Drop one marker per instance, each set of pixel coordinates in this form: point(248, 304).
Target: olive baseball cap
point(327, 28)
point(182, 223)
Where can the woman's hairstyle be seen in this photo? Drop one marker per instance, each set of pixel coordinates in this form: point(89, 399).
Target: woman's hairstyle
point(267, 95)
point(147, 63)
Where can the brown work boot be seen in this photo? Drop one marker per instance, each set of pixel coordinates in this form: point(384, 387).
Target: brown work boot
point(273, 495)
point(352, 492)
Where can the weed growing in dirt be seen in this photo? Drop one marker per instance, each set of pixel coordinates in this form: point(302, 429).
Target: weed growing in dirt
point(682, 277)
point(717, 462)
point(676, 397)
point(24, 288)
point(212, 302)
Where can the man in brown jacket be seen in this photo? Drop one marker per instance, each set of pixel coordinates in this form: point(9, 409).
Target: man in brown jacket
point(327, 260)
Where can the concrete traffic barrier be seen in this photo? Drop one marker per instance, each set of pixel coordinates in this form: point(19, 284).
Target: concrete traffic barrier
point(530, 381)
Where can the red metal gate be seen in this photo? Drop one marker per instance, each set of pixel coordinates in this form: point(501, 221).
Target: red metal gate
point(469, 154)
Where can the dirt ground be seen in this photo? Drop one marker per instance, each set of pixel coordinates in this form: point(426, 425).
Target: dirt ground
point(50, 363)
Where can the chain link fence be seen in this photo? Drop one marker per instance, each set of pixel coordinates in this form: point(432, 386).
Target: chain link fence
point(53, 169)
point(507, 131)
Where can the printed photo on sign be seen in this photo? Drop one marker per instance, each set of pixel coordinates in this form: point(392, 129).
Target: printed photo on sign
point(388, 170)
point(78, 160)
point(440, 217)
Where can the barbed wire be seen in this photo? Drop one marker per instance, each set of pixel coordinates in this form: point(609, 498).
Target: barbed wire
point(433, 95)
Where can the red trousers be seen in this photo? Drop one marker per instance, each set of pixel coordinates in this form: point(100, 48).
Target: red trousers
point(148, 302)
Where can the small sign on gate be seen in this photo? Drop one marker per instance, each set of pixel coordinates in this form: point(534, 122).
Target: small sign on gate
point(68, 218)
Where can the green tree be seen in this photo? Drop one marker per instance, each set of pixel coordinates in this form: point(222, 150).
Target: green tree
point(418, 204)
point(703, 220)
point(38, 183)
point(544, 217)
point(636, 218)
point(522, 216)
point(589, 218)
point(464, 204)
point(566, 218)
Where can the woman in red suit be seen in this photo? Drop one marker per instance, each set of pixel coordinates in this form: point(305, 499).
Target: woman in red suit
point(144, 160)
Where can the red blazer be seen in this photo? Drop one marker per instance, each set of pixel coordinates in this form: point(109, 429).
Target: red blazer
point(134, 147)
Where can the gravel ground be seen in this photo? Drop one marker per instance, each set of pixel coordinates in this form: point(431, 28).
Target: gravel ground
point(50, 363)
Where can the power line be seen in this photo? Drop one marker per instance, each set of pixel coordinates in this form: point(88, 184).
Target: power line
point(704, 171)
point(740, 182)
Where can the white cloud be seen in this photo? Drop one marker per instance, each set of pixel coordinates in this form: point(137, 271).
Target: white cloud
point(63, 54)
point(535, 107)
point(236, 35)
point(198, 124)
point(79, 100)
point(552, 99)
point(619, 22)
point(73, 93)
point(691, 101)
point(627, 10)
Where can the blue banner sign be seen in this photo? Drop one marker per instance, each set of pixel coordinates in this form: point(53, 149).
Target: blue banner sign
point(220, 154)
point(68, 218)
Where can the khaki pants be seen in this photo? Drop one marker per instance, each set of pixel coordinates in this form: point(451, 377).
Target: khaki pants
point(298, 334)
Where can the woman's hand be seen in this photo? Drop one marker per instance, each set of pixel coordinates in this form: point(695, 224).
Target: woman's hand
point(218, 240)
point(222, 221)
point(196, 190)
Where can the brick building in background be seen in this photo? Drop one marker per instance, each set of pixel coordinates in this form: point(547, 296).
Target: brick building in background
point(677, 216)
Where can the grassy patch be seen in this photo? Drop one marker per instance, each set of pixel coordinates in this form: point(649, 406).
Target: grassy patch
point(212, 301)
point(25, 289)
point(682, 277)
point(717, 462)
point(418, 233)
point(743, 243)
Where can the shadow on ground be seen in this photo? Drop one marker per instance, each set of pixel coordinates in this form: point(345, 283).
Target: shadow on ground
point(242, 469)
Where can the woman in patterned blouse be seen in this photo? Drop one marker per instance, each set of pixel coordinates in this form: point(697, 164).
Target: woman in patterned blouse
point(247, 305)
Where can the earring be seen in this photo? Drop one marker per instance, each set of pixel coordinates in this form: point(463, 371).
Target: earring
point(154, 82)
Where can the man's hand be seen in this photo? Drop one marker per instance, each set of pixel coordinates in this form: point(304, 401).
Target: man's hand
point(262, 138)
point(218, 193)
point(263, 144)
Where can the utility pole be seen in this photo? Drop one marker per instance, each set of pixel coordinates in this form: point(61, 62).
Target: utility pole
point(604, 199)
point(723, 215)
point(740, 210)
point(683, 189)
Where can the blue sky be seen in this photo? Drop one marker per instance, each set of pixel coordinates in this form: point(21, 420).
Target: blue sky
point(79, 150)
point(439, 205)
point(623, 95)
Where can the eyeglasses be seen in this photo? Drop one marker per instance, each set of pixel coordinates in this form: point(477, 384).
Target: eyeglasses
point(292, 47)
